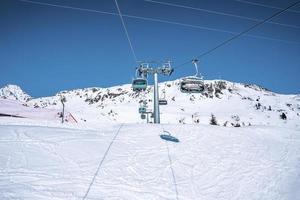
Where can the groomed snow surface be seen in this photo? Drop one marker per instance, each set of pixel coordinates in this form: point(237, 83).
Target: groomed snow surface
point(131, 161)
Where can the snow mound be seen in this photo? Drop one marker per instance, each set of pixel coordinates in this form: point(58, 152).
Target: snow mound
point(14, 92)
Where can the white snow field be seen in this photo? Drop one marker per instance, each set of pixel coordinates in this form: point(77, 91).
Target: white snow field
point(129, 161)
point(105, 151)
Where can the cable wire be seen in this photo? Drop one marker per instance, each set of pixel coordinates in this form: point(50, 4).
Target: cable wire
point(158, 21)
point(68, 7)
point(240, 34)
point(266, 6)
point(126, 32)
point(219, 13)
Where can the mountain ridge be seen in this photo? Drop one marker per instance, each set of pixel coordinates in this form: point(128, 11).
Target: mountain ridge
point(233, 104)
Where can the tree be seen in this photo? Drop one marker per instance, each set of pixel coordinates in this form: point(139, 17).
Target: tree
point(283, 116)
point(213, 120)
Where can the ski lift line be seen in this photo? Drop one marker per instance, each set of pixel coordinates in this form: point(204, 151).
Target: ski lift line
point(266, 6)
point(220, 13)
point(210, 29)
point(101, 162)
point(68, 7)
point(159, 21)
point(126, 31)
point(171, 165)
point(240, 34)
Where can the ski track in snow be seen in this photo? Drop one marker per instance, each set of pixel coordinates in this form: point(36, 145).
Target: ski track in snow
point(209, 162)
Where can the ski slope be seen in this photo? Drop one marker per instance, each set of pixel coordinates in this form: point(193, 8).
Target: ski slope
point(109, 152)
point(131, 161)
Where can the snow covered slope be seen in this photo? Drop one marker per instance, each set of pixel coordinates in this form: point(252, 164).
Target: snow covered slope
point(14, 92)
point(233, 104)
point(111, 153)
point(132, 162)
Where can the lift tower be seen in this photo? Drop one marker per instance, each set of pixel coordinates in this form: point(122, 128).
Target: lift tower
point(165, 70)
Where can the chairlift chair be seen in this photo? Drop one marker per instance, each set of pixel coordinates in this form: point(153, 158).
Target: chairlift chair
point(142, 109)
point(163, 101)
point(192, 84)
point(139, 84)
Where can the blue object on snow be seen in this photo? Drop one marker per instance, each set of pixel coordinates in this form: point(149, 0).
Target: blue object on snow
point(169, 138)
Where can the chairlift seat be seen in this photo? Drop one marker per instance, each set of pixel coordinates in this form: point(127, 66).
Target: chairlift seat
point(192, 85)
point(142, 110)
point(139, 84)
point(162, 102)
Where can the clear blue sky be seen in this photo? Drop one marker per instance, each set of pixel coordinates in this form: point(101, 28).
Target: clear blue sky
point(47, 49)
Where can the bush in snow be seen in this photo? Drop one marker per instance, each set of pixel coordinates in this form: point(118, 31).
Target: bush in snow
point(195, 118)
point(270, 108)
point(257, 106)
point(182, 121)
point(213, 120)
point(236, 125)
point(283, 116)
point(237, 121)
point(225, 123)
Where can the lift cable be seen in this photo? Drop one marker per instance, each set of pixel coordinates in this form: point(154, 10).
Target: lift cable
point(219, 13)
point(266, 6)
point(126, 32)
point(68, 7)
point(160, 21)
point(238, 35)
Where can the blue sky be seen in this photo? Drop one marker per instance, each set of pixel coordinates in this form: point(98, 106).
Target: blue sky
point(46, 49)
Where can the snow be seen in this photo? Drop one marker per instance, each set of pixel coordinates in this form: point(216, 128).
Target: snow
point(14, 92)
point(226, 100)
point(209, 162)
point(113, 154)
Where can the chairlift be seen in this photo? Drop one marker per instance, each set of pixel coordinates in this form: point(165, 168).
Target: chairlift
point(192, 84)
point(163, 101)
point(139, 84)
point(142, 109)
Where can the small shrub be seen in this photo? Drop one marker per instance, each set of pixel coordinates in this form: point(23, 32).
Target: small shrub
point(283, 116)
point(213, 120)
point(225, 123)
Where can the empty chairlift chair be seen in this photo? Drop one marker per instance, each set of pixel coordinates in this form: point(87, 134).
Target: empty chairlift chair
point(142, 109)
point(139, 84)
point(163, 101)
point(192, 84)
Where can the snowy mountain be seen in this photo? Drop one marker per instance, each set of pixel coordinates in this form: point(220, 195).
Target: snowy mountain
point(232, 104)
point(14, 92)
